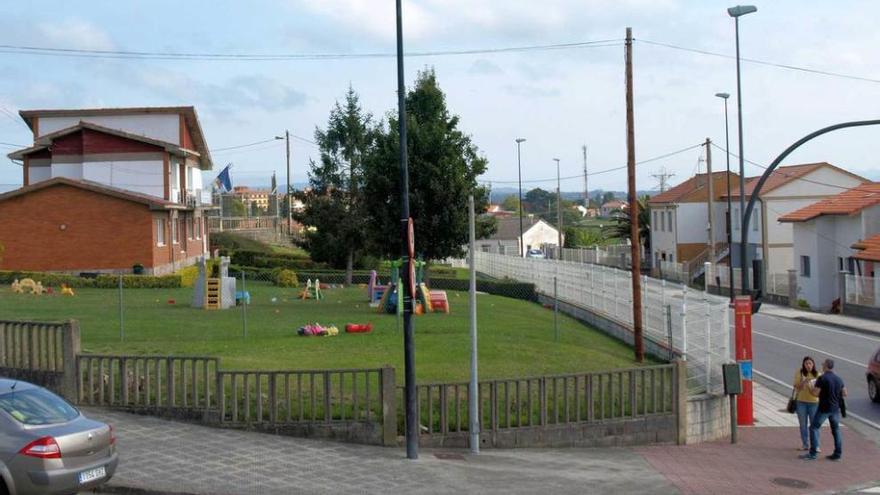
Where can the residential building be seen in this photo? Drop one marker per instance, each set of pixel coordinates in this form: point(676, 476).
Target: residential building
point(835, 235)
point(787, 189)
point(253, 196)
point(609, 208)
point(536, 234)
point(101, 184)
point(680, 220)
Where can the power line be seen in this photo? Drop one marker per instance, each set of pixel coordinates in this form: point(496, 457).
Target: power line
point(600, 172)
point(242, 145)
point(155, 55)
point(761, 62)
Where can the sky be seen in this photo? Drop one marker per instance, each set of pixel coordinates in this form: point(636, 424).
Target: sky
point(559, 100)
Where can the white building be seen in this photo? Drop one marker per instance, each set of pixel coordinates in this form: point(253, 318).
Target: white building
point(786, 190)
point(536, 234)
point(830, 237)
point(680, 220)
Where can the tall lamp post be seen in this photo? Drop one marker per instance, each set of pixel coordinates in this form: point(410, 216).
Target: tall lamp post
point(736, 13)
point(286, 138)
point(725, 96)
point(558, 212)
point(522, 250)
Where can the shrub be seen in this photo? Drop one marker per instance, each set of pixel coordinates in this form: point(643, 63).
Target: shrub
point(286, 278)
point(189, 275)
point(803, 304)
point(100, 281)
point(47, 279)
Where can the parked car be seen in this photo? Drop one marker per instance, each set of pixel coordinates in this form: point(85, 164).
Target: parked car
point(47, 446)
point(873, 376)
point(535, 253)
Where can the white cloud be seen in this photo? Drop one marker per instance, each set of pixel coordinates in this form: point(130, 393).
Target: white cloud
point(74, 33)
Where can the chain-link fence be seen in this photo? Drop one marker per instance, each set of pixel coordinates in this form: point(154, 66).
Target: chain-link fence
point(693, 323)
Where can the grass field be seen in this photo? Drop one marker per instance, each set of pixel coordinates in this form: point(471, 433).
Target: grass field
point(516, 338)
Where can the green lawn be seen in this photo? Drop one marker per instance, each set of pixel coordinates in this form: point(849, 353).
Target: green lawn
point(516, 337)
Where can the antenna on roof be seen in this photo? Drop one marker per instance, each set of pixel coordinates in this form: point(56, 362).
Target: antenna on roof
point(662, 177)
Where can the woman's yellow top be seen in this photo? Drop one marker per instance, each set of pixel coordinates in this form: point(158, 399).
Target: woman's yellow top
point(804, 394)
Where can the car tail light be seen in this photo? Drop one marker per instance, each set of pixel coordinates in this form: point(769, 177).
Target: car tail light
point(42, 448)
point(112, 436)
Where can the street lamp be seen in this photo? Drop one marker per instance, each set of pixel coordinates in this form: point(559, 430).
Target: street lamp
point(725, 96)
point(736, 13)
point(286, 138)
point(558, 212)
point(519, 141)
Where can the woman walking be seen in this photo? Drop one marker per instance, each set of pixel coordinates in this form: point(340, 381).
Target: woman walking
point(806, 401)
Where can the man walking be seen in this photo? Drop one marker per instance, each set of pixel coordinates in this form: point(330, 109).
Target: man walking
point(831, 391)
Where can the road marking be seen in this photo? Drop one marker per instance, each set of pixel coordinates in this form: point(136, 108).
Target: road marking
point(828, 329)
point(820, 351)
point(849, 414)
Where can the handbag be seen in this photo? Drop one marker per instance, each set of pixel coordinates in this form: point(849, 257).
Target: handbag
point(792, 403)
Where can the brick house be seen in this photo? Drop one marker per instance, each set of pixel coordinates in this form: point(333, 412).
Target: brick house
point(105, 189)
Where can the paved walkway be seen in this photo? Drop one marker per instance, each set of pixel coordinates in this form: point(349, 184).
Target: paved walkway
point(769, 408)
point(851, 322)
point(166, 456)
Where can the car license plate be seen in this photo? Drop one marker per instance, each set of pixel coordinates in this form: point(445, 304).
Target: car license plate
point(92, 475)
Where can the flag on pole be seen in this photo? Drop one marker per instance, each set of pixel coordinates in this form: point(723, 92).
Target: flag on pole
point(223, 181)
point(274, 185)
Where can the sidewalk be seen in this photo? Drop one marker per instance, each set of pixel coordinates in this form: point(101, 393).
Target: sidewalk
point(850, 322)
point(159, 456)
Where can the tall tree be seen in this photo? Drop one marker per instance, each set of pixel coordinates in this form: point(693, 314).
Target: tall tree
point(620, 227)
point(335, 205)
point(443, 168)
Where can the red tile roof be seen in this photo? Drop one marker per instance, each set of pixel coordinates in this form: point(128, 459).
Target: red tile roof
point(151, 201)
point(870, 249)
point(785, 174)
point(695, 189)
point(846, 203)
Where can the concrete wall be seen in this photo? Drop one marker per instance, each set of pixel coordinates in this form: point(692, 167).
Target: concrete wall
point(140, 176)
point(708, 418)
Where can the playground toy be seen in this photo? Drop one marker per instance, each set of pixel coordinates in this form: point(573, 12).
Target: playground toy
point(425, 298)
point(242, 295)
point(214, 292)
point(316, 330)
point(312, 290)
point(67, 290)
point(359, 328)
point(27, 284)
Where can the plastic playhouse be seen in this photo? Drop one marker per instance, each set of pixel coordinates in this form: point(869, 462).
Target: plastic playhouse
point(216, 291)
point(385, 297)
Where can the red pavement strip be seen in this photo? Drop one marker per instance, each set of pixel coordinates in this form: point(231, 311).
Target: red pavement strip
point(761, 455)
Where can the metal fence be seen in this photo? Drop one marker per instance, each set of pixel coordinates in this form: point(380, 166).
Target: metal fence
point(775, 283)
point(695, 324)
point(863, 291)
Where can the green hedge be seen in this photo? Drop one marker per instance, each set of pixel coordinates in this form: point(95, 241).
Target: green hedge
point(259, 259)
point(100, 281)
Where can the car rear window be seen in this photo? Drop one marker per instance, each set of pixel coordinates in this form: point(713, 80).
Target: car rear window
point(37, 406)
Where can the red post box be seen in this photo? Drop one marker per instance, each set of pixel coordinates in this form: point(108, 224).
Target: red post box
point(742, 308)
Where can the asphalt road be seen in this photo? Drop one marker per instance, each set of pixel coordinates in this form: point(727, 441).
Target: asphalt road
point(779, 345)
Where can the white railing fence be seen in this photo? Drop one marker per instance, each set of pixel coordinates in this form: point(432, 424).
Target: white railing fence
point(776, 283)
point(863, 291)
point(698, 322)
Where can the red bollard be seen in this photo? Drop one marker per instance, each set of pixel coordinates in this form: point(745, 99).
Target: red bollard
point(742, 308)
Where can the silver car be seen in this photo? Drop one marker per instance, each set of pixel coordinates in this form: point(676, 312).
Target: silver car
point(47, 446)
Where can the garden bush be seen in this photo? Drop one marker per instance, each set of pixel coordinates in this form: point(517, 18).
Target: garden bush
point(286, 278)
point(101, 281)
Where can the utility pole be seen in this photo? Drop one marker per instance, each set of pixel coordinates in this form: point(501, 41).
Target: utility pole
point(287, 192)
point(711, 201)
point(558, 212)
point(586, 188)
point(405, 291)
point(633, 204)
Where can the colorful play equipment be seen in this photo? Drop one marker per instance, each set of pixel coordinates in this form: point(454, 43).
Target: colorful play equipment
point(388, 300)
point(67, 290)
point(359, 328)
point(27, 284)
point(312, 290)
point(217, 292)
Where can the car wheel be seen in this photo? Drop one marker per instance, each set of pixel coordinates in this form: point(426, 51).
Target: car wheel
point(3, 489)
point(873, 389)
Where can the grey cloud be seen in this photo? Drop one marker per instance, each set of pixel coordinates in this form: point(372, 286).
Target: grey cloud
point(485, 67)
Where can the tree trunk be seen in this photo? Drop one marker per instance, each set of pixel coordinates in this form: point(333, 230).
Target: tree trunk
point(349, 267)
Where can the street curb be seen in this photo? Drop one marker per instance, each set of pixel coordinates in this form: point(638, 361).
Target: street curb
point(841, 326)
point(130, 490)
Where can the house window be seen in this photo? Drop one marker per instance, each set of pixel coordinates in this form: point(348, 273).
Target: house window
point(174, 228)
point(736, 220)
point(839, 264)
point(662, 221)
point(199, 228)
point(190, 227)
point(754, 220)
point(805, 266)
point(656, 224)
point(160, 232)
point(669, 220)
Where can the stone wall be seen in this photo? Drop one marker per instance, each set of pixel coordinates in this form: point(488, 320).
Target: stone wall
point(708, 418)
